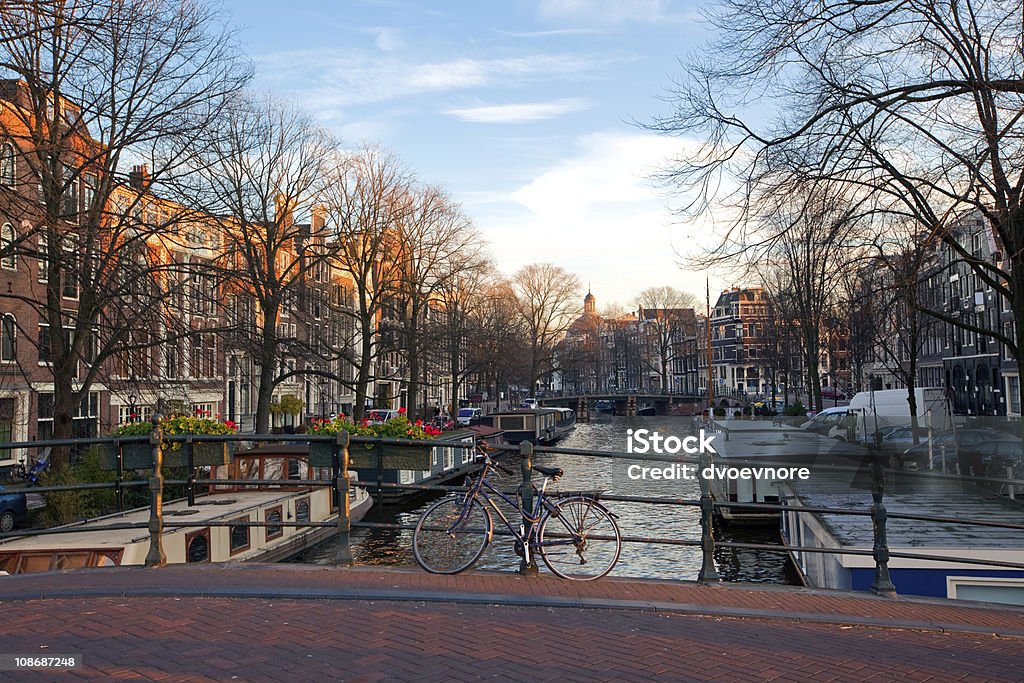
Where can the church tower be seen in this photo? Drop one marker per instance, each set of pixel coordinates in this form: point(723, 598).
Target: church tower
point(589, 304)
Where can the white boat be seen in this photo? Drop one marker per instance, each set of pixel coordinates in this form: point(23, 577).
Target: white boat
point(209, 536)
point(968, 578)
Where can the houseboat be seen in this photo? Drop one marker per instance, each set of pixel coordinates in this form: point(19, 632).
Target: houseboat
point(762, 446)
point(539, 425)
point(913, 494)
point(209, 537)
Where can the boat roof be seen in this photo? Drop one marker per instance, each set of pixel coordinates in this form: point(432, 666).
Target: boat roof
point(917, 495)
point(218, 506)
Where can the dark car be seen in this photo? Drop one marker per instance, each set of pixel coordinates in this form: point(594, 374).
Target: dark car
point(994, 458)
point(13, 508)
point(954, 445)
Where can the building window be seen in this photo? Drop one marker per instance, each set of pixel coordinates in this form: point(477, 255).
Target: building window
point(273, 519)
point(240, 536)
point(9, 261)
point(1013, 388)
point(197, 546)
point(44, 346)
point(44, 255)
point(7, 164)
point(202, 409)
point(8, 338)
point(302, 510)
point(127, 414)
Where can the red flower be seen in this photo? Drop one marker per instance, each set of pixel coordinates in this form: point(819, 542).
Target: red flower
point(401, 411)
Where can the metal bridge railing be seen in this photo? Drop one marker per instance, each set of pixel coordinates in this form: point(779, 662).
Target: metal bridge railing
point(340, 482)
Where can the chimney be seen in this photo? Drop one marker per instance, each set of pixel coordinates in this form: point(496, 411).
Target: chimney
point(282, 210)
point(319, 218)
point(139, 177)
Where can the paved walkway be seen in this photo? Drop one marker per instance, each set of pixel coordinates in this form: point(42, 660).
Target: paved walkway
point(303, 623)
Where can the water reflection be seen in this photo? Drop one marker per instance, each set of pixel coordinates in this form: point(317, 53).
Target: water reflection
point(639, 560)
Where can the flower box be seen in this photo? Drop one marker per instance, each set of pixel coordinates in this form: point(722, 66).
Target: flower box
point(135, 456)
point(139, 456)
point(205, 454)
point(395, 457)
point(362, 457)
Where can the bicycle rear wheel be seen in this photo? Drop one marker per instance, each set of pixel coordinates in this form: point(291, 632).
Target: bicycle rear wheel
point(579, 539)
point(450, 536)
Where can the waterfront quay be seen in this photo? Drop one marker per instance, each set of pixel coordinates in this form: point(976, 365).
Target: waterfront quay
point(295, 622)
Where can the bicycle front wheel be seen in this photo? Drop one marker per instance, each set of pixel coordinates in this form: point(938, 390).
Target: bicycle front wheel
point(451, 536)
point(579, 539)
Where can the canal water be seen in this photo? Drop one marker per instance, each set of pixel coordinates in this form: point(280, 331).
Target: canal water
point(638, 560)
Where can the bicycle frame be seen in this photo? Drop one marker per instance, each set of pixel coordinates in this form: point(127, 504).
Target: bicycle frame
point(482, 489)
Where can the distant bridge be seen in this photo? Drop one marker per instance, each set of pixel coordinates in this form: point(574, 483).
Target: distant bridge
point(663, 404)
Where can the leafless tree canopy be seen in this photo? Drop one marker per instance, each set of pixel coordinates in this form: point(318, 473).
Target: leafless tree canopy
point(912, 108)
point(97, 86)
point(547, 298)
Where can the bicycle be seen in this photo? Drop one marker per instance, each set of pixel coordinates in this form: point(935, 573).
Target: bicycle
point(575, 535)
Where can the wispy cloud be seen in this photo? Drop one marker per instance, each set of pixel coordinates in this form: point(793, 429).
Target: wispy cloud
point(605, 11)
point(346, 77)
point(552, 32)
point(519, 113)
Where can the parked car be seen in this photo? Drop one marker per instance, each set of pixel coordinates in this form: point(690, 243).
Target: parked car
point(380, 415)
point(469, 416)
point(996, 456)
point(13, 507)
point(823, 422)
point(528, 403)
point(833, 393)
point(953, 443)
point(901, 438)
point(443, 422)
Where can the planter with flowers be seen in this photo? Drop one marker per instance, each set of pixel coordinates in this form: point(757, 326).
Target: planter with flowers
point(139, 456)
point(413, 457)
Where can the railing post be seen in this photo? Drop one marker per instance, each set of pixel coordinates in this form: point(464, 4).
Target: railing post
point(118, 489)
point(190, 486)
point(527, 565)
point(341, 485)
point(155, 557)
point(882, 583)
point(708, 573)
point(378, 449)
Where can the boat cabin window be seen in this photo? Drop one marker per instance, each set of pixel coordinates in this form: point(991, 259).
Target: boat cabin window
point(49, 560)
point(273, 518)
point(240, 536)
point(516, 423)
point(302, 510)
point(197, 546)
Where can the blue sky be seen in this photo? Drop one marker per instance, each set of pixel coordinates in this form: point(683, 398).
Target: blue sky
point(520, 109)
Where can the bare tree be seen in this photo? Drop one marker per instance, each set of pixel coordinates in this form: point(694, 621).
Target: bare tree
point(259, 169)
point(435, 243)
point(458, 331)
point(95, 86)
point(668, 316)
point(914, 107)
point(547, 298)
point(367, 198)
point(496, 348)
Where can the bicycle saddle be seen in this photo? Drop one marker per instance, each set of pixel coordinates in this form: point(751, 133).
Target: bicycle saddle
point(555, 472)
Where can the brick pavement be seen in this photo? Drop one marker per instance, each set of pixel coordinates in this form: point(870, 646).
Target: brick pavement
point(296, 623)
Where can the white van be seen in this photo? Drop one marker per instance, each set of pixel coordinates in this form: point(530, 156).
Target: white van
point(870, 411)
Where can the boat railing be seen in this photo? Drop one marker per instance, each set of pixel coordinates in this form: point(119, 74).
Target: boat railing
point(340, 447)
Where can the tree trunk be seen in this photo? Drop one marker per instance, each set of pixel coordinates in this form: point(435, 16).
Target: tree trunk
point(363, 372)
point(268, 361)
